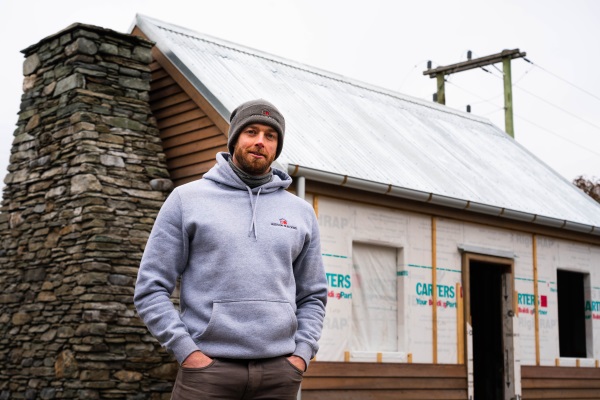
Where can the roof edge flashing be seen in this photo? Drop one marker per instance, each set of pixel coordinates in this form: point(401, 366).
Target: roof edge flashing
point(517, 215)
point(575, 226)
point(370, 186)
point(296, 170)
point(320, 176)
point(146, 25)
point(409, 194)
point(448, 201)
point(552, 222)
point(483, 208)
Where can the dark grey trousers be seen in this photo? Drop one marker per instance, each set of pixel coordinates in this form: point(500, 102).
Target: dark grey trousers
point(266, 379)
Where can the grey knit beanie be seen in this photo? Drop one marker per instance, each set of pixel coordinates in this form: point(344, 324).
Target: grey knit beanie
point(256, 112)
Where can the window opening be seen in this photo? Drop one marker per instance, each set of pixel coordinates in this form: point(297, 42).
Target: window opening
point(571, 314)
point(374, 298)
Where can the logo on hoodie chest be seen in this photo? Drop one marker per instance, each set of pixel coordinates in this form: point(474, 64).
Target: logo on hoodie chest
point(283, 223)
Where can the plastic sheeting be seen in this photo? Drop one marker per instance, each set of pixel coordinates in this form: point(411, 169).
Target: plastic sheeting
point(374, 298)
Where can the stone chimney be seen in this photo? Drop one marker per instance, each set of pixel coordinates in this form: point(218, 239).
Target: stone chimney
point(87, 176)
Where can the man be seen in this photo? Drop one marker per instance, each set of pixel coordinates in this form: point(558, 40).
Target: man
point(253, 286)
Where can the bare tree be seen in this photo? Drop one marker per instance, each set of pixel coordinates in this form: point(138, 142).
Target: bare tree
point(589, 187)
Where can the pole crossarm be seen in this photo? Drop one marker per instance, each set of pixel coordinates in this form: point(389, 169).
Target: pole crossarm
point(475, 63)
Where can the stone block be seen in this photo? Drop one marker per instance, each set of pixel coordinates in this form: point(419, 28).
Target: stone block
point(84, 184)
point(97, 329)
point(20, 318)
point(81, 45)
point(66, 365)
point(164, 372)
point(109, 48)
point(46, 297)
point(134, 83)
point(124, 123)
point(33, 122)
point(69, 83)
point(92, 279)
point(29, 82)
point(128, 376)
point(94, 375)
point(55, 192)
point(162, 185)
point(65, 332)
point(31, 64)
point(34, 275)
point(143, 54)
point(112, 161)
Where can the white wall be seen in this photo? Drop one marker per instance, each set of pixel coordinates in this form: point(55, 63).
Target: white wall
point(344, 222)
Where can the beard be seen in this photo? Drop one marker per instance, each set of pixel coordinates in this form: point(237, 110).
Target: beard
point(251, 165)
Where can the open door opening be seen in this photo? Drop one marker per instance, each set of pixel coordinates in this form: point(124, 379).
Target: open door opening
point(490, 329)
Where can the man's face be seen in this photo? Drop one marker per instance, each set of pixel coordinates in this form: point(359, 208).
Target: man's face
point(255, 149)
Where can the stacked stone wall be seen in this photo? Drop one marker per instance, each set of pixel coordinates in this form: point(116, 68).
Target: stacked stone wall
point(87, 176)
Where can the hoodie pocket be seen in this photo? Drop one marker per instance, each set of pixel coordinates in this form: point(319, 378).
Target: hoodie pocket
point(250, 328)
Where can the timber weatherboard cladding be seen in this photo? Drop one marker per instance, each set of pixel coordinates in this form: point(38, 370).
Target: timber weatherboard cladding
point(382, 381)
point(560, 383)
point(190, 138)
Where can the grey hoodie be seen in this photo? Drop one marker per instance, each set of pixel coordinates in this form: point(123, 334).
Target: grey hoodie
point(252, 278)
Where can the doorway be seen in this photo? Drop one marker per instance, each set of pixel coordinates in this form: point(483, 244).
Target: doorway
point(489, 291)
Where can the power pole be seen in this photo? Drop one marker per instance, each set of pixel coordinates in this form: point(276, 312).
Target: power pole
point(505, 56)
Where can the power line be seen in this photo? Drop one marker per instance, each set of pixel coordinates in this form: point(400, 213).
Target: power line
point(559, 136)
point(562, 79)
point(560, 108)
point(529, 121)
point(552, 104)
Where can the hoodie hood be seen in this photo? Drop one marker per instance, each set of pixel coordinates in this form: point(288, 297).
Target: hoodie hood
point(222, 174)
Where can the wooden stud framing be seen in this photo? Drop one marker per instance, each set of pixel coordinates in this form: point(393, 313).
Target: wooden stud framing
point(434, 287)
point(460, 326)
point(535, 302)
point(316, 204)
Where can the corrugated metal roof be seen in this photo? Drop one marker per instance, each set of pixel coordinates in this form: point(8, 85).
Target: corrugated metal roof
point(344, 127)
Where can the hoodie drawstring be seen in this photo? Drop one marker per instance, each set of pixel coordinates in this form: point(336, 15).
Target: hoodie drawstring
point(254, 205)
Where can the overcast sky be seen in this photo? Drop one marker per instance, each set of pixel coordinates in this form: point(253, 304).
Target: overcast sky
point(382, 42)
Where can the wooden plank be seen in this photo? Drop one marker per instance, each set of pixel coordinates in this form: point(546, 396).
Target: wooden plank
point(536, 311)
point(161, 83)
point(158, 73)
point(568, 394)
point(154, 66)
point(382, 383)
point(169, 101)
point(180, 118)
point(195, 147)
point(460, 325)
point(560, 383)
point(530, 371)
point(351, 369)
point(375, 394)
point(164, 92)
point(186, 127)
point(191, 91)
point(434, 333)
point(191, 170)
point(201, 156)
point(193, 136)
point(174, 110)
